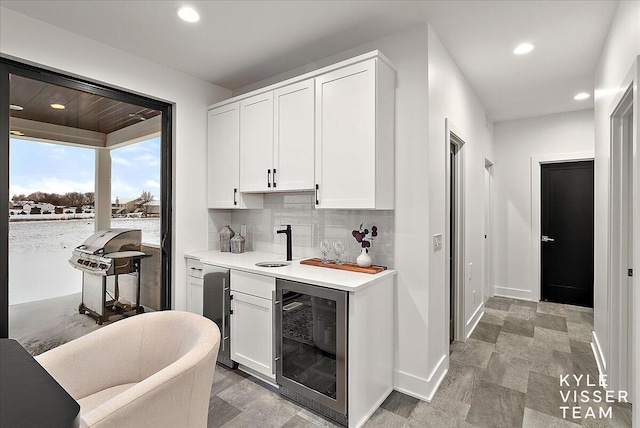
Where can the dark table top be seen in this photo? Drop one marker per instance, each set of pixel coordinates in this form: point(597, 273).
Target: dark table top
point(29, 396)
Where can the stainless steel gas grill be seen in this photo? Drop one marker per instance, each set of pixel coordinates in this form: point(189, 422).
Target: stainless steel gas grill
point(102, 258)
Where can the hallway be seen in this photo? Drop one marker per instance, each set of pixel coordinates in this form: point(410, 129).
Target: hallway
point(506, 375)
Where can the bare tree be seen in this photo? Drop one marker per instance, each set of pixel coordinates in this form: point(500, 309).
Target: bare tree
point(37, 197)
point(74, 199)
point(145, 199)
point(89, 198)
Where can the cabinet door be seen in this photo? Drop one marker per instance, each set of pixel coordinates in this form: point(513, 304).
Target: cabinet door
point(256, 143)
point(346, 137)
point(252, 332)
point(195, 295)
point(294, 134)
point(223, 156)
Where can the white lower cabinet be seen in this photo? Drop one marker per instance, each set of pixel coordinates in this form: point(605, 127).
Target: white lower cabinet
point(252, 322)
point(195, 295)
point(195, 286)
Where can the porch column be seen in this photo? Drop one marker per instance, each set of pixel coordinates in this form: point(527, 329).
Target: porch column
point(103, 189)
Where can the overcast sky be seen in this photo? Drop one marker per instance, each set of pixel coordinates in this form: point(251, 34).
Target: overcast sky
point(56, 168)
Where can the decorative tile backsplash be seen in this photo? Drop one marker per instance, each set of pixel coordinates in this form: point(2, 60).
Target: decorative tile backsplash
point(309, 226)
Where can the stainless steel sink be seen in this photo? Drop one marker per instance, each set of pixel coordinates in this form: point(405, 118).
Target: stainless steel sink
point(273, 264)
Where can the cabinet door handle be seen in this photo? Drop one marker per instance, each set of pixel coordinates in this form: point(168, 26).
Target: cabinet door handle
point(317, 200)
point(268, 178)
point(274, 178)
point(235, 192)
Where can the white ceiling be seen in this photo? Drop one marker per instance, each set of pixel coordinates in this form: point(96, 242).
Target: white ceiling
point(240, 42)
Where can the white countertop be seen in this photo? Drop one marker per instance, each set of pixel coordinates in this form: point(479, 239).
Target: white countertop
point(324, 277)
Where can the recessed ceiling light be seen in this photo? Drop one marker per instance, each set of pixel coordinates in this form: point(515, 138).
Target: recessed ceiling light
point(16, 133)
point(581, 96)
point(523, 48)
point(16, 107)
point(188, 14)
point(58, 106)
point(137, 116)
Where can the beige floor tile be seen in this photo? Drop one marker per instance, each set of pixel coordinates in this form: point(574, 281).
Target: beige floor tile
point(535, 419)
point(553, 339)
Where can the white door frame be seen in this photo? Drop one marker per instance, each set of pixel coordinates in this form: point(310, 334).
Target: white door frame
point(488, 225)
point(536, 217)
point(455, 136)
point(624, 238)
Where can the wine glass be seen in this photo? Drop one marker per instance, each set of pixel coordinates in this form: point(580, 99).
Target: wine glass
point(338, 249)
point(325, 247)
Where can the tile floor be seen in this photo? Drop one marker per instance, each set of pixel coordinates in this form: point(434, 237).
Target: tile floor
point(505, 375)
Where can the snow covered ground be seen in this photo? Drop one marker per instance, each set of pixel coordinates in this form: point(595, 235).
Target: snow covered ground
point(39, 252)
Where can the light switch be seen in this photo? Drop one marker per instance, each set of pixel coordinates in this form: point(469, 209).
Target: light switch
point(437, 242)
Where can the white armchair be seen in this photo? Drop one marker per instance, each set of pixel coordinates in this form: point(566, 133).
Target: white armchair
point(150, 370)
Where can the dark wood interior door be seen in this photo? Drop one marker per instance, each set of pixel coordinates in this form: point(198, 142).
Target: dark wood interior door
point(567, 233)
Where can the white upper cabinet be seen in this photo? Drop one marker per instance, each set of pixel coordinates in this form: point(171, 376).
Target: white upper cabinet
point(256, 143)
point(354, 161)
point(276, 140)
point(293, 142)
point(223, 160)
point(330, 131)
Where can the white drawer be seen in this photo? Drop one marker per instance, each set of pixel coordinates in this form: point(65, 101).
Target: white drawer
point(194, 268)
point(253, 284)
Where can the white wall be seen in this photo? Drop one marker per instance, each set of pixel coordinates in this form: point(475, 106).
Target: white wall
point(618, 57)
point(36, 42)
point(516, 142)
point(451, 98)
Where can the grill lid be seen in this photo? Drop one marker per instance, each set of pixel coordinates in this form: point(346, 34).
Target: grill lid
point(111, 241)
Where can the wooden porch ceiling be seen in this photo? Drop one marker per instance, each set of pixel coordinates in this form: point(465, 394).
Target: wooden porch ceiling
point(82, 110)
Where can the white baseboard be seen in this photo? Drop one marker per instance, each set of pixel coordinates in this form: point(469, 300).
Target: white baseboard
point(418, 387)
point(513, 293)
point(597, 353)
point(474, 320)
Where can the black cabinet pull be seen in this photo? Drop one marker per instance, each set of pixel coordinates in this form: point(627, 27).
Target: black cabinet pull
point(274, 178)
point(235, 192)
point(268, 178)
point(317, 188)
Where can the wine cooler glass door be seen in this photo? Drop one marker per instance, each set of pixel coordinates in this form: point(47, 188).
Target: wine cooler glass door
point(312, 342)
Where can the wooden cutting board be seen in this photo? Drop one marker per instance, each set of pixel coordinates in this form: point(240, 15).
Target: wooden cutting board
point(351, 267)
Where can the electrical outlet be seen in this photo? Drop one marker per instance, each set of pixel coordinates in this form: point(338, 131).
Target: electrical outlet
point(243, 230)
point(437, 242)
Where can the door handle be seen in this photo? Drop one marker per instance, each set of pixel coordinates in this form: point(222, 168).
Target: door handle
point(163, 244)
point(274, 314)
point(545, 238)
point(268, 178)
point(224, 310)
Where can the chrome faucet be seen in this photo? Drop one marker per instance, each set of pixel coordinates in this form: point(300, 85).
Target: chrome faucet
point(287, 231)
